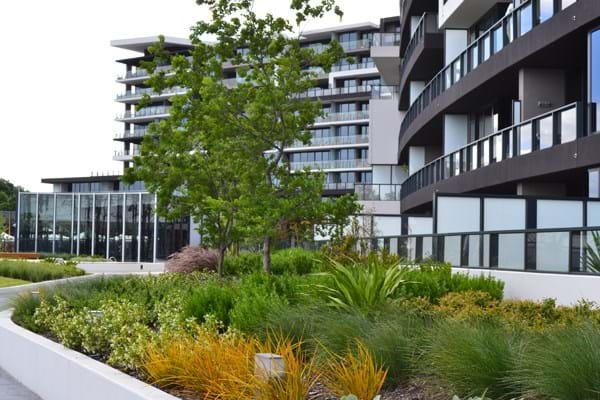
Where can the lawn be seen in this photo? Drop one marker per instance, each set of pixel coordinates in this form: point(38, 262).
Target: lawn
point(6, 282)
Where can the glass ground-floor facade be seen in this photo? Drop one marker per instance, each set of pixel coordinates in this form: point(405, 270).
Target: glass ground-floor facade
point(118, 226)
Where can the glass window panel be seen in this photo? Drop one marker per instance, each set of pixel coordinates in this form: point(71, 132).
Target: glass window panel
point(486, 251)
point(498, 38)
point(474, 56)
point(498, 148)
point(45, 223)
point(64, 223)
point(567, 3)
point(485, 159)
point(510, 29)
point(553, 251)
point(525, 19)
point(568, 125)
point(474, 157)
point(594, 183)
point(131, 226)
point(85, 214)
point(511, 251)
point(427, 247)
point(456, 164)
point(448, 77)
point(525, 139)
point(594, 67)
point(546, 132)
point(447, 167)
point(452, 250)
point(474, 247)
point(116, 227)
point(27, 212)
point(487, 47)
point(546, 10)
point(100, 227)
point(457, 70)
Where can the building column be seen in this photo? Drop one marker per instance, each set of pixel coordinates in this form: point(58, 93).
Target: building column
point(456, 132)
point(416, 159)
point(415, 89)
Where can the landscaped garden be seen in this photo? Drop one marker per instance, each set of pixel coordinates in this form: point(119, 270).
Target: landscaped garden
point(364, 326)
point(15, 272)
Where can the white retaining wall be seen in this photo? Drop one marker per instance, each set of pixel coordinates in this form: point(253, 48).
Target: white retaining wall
point(54, 372)
point(566, 289)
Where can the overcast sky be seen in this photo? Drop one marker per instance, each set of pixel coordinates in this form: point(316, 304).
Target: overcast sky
point(57, 73)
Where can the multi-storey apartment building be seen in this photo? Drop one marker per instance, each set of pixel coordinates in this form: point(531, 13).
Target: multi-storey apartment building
point(100, 215)
point(499, 120)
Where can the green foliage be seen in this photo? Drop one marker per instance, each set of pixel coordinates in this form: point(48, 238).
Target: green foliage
point(473, 358)
point(288, 261)
point(249, 196)
point(562, 364)
point(24, 307)
point(361, 287)
point(37, 271)
point(591, 256)
point(212, 298)
point(8, 195)
point(432, 281)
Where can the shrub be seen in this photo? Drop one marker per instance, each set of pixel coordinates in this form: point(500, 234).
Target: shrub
point(213, 298)
point(37, 271)
point(361, 287)
point(356, 373)
point(294, 261)
point(564, 363)
point(192, 259)
point(24, 307)
point(244, 263)
point(473, 358)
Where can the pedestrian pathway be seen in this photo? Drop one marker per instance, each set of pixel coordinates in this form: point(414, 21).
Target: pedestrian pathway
point(13, 390)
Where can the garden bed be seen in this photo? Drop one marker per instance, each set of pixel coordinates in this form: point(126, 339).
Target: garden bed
point(407, 333)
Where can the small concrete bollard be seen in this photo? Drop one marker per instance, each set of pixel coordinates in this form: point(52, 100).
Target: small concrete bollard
point(269, 366)
point(35, 295)
point(96, 314)
point(141, 266)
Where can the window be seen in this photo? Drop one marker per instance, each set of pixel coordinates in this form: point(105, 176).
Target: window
point(347, 130)
point(545, 132)
point(568, 125)
point(594, 68)
point(594, 183)
point(366, 177)
point(346, 107)
point(525, 19)
point(487, 47)
point(474, 56)
point(546, 10)
point(525, 139)
point(498, 39)
point(347, 37)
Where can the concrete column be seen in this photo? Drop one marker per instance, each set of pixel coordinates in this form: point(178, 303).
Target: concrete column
point(416, 159)
point(541, 90)
point(456, 128)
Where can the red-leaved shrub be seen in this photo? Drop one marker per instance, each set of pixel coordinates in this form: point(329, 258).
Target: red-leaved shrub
point(192, 259)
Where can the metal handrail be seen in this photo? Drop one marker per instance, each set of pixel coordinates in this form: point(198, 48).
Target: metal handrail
point(377, 192)
point(343, 116)
point(330, 164)
point(332, 141)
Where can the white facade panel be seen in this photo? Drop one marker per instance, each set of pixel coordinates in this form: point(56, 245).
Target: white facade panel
point(559, 214)
point(420, 226)
point(504, 214)
point(456, 128)
point(386, 226)
point(458, 214)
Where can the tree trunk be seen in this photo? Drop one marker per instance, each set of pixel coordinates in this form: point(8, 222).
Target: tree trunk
point(221, 262)
point(267, 254)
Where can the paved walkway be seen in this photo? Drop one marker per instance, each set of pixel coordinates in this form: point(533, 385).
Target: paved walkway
point(13, 390)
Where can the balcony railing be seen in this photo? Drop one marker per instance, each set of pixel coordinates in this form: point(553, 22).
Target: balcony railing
point(343, 116)
point(129, 95)
point(333, 141)
point(142, 73)
point(352, 67)
point(512, 26)
point(556, 127)
point(144, 112)
point(339, 186)
point(126, 155)
point(377, 192)
point(386, 39)
point(320, 92)
point(330, 164)
point(361, 44)
point(136, 133)
point(384, 92)
point(427, 24)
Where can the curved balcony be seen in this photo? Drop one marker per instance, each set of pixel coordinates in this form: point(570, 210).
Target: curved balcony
point(358, 163)
point(140, 74)
point(546, 144)
point(353, 67)
point(133, 97)
point(489, 55)
point(377, 192)
point(342, 117)
point(126, 155)
point(130, 135)
point(409, 8)
point(424, 55)
point(144, 114)
point(332, 141)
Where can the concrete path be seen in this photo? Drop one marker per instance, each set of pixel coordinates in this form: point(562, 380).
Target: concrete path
point(13, 390)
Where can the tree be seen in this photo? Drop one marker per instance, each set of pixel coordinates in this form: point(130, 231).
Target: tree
point(8, 195)
point(240, 133)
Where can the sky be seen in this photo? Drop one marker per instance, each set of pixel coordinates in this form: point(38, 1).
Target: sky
point(58, 71)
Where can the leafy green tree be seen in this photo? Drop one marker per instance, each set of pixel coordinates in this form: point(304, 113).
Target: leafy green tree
point(8, 195)
point(2, 224)
point(239, 133)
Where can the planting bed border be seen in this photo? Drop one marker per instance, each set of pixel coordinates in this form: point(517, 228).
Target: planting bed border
point(55, 372)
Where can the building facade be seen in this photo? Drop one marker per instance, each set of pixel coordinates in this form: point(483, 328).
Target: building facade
point(499, 121)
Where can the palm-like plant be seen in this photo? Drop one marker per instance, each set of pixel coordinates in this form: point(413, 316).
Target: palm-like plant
point(591, 256)
point(361, 287)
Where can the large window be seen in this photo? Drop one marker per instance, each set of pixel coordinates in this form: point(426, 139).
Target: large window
point(595, 78)
point(27, 213)
point(45, 223)
point(64, 224)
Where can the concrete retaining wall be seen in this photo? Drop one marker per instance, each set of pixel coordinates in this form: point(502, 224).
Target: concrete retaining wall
point(566, 289)
point(56, 373)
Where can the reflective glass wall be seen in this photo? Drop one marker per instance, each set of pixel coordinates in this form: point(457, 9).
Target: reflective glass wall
point(594, 68)
point(119, 226)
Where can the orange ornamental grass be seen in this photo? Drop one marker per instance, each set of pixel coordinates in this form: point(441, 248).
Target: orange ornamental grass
point(212, 366)
point(355, 373)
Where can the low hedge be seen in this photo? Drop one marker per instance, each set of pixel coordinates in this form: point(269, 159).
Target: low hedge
point(37, 271)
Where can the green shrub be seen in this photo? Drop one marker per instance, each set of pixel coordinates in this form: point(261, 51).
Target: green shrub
point(473, 358)
point(244, 263)
point(37, 271)
point(213, 298)
point(24, 307)
point(563, 364)
point(434, 280)
point(289, 261)
point(360, 287)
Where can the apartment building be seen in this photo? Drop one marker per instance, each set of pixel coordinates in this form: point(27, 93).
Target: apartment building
point(498, 101)
point(102, 216)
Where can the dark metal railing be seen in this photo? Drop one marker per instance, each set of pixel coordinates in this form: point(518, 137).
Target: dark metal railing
point(556, 127)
